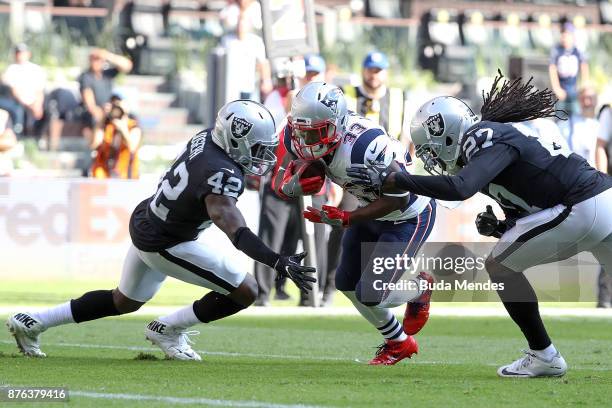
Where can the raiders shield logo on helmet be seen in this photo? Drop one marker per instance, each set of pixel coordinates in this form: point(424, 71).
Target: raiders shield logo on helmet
point(331, 100)
point(435, 125)
point(240, 127)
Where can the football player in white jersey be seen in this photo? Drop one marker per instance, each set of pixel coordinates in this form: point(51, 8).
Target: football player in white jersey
point(320, 132)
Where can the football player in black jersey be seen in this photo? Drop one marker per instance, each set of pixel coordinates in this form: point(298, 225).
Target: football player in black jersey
point(555, 204)
point(200, 188)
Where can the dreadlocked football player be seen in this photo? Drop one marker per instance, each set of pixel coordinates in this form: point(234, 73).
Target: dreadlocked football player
point(555, 204)
point(324, 135)
point(200, 188)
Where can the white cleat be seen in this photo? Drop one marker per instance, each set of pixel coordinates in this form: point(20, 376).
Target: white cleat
point(531, 366)
point(175, 343)
point(26, 329)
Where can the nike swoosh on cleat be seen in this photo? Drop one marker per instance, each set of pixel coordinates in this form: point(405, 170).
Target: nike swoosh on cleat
point(506, 372)
point(374, 148)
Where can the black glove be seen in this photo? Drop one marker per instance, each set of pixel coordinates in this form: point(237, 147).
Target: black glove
point(488, 225)
point(289, 267)
point(370, 175)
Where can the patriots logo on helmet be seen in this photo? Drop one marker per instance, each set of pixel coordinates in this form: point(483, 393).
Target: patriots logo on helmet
point(435, 125)
point(240, 127)
point(331, 100)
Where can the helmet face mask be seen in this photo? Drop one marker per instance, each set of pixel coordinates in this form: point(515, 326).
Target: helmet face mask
point(263, 159)
point(317, 115)
point(437, 131)
point(314, 142)
point(246, 131)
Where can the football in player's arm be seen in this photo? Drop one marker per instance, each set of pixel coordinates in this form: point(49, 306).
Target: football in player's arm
point(563, 204)
point(323, 139)
point(296, 177)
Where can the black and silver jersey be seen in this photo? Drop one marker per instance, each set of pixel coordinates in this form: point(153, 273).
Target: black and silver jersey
point(177, 212)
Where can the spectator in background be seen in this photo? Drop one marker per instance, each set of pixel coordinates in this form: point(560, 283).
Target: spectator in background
point(581, 130)
point(376, 101)
point(246, 53)
point(281, 220)
point(96, 86)
point(116, 143)
point(603, 164)
point(567, 63)
point(26, 85)
point(278, 101)
point(8, 140)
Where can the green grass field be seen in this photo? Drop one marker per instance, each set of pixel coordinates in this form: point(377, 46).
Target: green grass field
point(316, 361)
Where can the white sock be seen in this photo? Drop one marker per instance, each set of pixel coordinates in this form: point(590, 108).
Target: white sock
point(381, 318)
point(547, 354)
point(182, 318)
point(55, 316)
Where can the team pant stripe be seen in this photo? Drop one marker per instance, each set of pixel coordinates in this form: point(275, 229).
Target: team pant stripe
point(202, 273)
point(532, 233)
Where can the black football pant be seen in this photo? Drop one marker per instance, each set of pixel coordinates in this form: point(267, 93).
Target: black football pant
point(279, 228)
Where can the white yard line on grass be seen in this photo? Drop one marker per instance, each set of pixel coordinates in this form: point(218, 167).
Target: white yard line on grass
point(266, 356)
point(182, 400)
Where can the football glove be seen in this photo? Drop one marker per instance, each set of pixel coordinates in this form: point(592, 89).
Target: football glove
point(328, 215)
point(289, 267)
point(371, 175)
point(488, 225)
point(293, 186)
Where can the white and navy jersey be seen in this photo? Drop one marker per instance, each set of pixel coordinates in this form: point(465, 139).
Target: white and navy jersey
point(363, 141)
point(522, 172)
point(177, 212)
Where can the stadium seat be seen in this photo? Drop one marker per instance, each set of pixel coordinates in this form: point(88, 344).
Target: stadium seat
point(512, 33)
point(473, 29)
point(546, 33)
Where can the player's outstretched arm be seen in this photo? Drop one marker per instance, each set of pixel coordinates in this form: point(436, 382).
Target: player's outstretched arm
point(224, 213)
point(482, 168)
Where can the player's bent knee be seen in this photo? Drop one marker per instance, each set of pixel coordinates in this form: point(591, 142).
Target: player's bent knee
point(496, 270)
point(246, 293)
point(124, 304)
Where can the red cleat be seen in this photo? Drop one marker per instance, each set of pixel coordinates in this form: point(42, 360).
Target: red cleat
point(417, 312)
point(392, 352)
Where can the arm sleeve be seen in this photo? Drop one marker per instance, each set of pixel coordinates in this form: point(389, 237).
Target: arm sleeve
point(249, 243)
point(482, 168)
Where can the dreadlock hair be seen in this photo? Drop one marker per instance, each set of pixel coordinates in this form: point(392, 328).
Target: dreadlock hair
point(517, 102)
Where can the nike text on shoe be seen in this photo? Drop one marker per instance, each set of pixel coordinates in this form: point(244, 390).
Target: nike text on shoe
point(417, 311)
point(26, 329)
point(392, 352)
point(174, 342)
point(531, 366)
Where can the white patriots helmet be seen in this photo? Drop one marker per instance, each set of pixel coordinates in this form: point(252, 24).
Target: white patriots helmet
point(436, 131)
point(317, 118)
point(246, 131)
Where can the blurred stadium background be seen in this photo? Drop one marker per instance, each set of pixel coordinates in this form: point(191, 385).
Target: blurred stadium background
point(58, 226)
point(63, 232)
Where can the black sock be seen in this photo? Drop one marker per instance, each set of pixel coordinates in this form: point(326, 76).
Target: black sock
point(214, 306)
point(93, 305)
point(521, 303)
